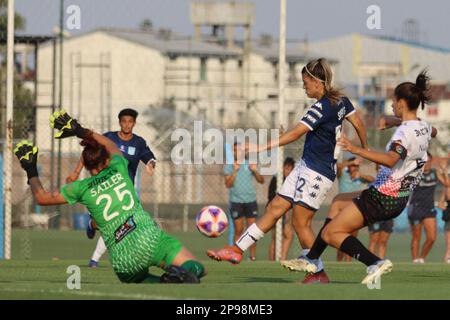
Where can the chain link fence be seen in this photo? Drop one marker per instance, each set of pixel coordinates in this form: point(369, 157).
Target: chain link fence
point(172, 80)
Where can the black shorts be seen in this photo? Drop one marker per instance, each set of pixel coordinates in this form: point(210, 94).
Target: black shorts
point(376, 207)
point(243, 210)
point(383, 226)
point(417, 214)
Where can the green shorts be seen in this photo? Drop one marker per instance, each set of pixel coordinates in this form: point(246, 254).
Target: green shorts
point(167, 249)
point(132, 264)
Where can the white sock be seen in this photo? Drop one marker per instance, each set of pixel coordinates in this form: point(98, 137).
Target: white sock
point(319, 265)
point(249, 237)
point(318, 262)
point(100, 249)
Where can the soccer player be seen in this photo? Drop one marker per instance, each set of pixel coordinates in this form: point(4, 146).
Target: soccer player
point(288, 236)
point(422, 213)
point(134, 149)
point(308, 184)
point(242, 193)
point(350, 180)
point(401, 170)
point(133, 239)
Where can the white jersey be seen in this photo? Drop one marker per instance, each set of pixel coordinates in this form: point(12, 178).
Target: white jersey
point(414, 136)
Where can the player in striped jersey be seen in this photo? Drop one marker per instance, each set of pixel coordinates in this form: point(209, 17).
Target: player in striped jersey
point(401, 170)
point(306, 187)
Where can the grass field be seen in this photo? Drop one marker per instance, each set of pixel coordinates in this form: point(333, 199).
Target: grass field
point(43, 275)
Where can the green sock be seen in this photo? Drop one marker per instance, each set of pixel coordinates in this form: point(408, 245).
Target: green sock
point(194, 267)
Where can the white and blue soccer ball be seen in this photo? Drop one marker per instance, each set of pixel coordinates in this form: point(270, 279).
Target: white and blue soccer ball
point(211, 221)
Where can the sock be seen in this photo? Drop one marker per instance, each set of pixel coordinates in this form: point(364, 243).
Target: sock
point(194, 267)
point(319, 245)
point(100, 249)
point(318, 262)
point(305, 252)
point(354, 248)
point(250, 236)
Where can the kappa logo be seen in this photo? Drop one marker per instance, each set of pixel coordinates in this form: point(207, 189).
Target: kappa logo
point(316, 187)
point(311, 118)
point(341, 113)
point(313, 195)
point(318, 178)
point(316, 112)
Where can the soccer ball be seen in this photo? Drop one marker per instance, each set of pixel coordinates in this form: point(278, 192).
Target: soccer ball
point(211, 221)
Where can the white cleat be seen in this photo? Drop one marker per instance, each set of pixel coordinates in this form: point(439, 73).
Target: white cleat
point(375, 271)
point(300, 264)
point(419, 261)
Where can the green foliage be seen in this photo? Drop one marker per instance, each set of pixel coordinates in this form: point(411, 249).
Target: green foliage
point(19, 21)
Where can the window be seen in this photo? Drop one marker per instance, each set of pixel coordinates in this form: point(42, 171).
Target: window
point(203, 69)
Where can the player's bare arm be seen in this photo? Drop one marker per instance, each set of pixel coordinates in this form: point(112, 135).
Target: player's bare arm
point(288, 137)
point(27, 154)
point(388, 159)
point(357, 123)
point(387, 122)
point(43, 197)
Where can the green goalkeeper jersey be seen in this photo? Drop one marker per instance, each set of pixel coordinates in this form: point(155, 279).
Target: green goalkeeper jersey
point(112, 201)
point(134, 240)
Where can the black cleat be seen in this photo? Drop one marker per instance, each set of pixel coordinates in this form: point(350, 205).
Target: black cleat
point(176, 274)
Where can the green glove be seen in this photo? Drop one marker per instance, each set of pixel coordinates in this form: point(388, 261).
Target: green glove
point(28, 156)
point(67, 125)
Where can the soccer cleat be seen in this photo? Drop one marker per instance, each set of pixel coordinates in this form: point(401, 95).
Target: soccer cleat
point(227, 254)
point(302, 263)
point(376, 270)
point(176, 274)
point(90, 231)
point(319, 277)
point(419, 261)
point(93, 264)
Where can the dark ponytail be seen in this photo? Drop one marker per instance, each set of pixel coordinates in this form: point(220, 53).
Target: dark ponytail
point(94, 154)
point(415, 94)
point(320, 70)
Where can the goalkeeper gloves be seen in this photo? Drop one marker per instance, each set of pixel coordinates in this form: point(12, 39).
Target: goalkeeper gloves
point(67, 125)
point(28, 156)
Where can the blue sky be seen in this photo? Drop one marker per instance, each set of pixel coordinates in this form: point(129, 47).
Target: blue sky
point(318, 19)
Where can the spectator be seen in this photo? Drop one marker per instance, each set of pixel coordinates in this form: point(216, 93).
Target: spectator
point(242, 194)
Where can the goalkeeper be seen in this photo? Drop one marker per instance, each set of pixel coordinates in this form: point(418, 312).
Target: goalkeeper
point(133, 239)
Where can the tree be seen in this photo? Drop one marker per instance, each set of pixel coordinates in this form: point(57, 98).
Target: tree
point(23, 97)
point(19, 21)
point(146, 25)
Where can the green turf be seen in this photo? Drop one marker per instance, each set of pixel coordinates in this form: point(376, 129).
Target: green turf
point(44, 276)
